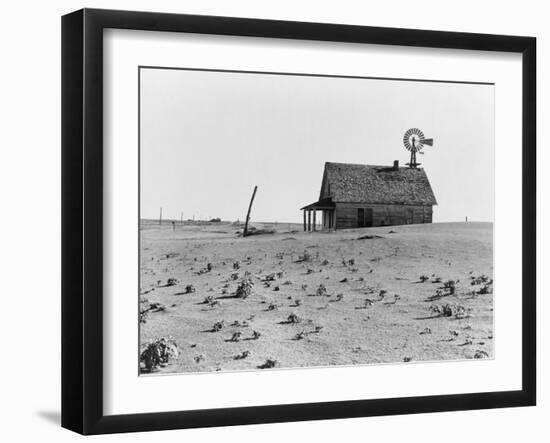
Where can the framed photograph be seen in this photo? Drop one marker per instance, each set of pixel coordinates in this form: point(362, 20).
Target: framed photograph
point(269, 221)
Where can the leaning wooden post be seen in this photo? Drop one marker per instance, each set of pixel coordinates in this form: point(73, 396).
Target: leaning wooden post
point(245, 232)
point(160, 218)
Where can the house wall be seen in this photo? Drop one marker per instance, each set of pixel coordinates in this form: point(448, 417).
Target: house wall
point(383, 215)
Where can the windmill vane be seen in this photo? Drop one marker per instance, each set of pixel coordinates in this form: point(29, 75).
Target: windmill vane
point(414, 141)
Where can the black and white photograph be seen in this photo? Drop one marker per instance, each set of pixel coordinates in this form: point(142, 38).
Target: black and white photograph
point(301, 220)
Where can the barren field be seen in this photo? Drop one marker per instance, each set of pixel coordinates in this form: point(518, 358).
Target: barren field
point(296, 299)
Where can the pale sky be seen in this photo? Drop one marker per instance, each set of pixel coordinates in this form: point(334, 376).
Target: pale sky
point(208, 137)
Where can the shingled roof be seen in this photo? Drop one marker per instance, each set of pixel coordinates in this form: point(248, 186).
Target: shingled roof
point(351, 183)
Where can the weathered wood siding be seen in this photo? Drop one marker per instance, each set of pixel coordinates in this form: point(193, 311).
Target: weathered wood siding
point(382, 215)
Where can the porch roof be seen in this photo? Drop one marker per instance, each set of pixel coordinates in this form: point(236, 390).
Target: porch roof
point(324, 203)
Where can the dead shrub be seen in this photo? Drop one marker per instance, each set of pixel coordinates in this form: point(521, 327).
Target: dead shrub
point(171, 282)
point(208, 300)
point(450, 287)
point(244, 289)
point(239, 324)
point(158, 353)
point(293, 319)
point(156, 307)
point(242, 355)
point(235, 337)
point(480, 280)
point(269, 363)
point(218, 326)
point(321, 291)
point(449, 310)
point(481, 354)
point(485, 289)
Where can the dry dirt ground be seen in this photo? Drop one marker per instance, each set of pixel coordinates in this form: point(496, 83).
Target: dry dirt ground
point(376, 308)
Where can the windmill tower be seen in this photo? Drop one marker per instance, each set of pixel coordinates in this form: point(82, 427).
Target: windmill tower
point(414, 142)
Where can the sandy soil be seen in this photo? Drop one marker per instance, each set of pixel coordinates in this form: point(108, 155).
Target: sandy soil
point(363, 325)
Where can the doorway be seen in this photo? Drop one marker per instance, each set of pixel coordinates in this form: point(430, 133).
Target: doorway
point(364, 217)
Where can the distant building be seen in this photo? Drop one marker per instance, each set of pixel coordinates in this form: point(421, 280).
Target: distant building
point(357, 196)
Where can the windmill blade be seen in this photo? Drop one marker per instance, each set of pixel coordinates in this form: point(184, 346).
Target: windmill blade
point(428, 141)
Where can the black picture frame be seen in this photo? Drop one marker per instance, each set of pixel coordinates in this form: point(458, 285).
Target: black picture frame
point(82, 220)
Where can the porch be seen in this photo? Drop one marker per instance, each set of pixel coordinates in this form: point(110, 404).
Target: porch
point(328, 219)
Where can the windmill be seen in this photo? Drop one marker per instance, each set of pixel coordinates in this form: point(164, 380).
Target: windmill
point(414, 141)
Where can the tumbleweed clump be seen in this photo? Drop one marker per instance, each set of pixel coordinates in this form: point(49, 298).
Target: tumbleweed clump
point(171, 282)
point(244, 289)
point(218, 326)
point(242, 355)
point(236, 336)
point(321, 291)
point(481, 354)
point(293, 318)
point(269, 363)
point(448, 310)
point(158, 353)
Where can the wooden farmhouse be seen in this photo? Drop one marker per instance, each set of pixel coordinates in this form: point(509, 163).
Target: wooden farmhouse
point(357, 196)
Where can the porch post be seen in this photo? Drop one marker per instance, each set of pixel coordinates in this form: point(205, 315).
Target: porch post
point(314, 219)
point(309, 220)
point(305, 226)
